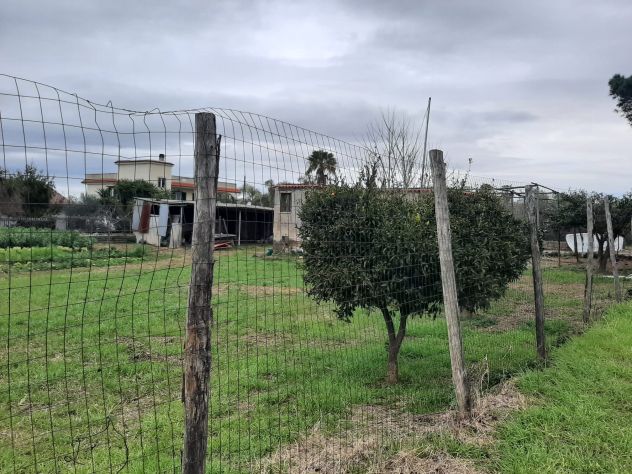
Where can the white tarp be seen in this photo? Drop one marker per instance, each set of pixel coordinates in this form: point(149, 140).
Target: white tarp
point(138, 209)
point(163, 219)
point(582, 243)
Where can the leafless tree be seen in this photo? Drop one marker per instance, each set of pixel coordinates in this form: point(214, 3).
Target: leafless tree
point(396, 140)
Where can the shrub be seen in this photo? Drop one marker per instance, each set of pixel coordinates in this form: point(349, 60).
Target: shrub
point(377, 249)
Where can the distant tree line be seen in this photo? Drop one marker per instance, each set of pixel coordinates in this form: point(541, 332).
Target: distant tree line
point(25, 193)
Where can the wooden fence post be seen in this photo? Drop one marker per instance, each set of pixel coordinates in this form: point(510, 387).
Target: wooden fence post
point(559, 235)
point(538, 292)
point(239, 228)
point(197, 346)
point(448, 283)
point(611, 249)
point(589, 261)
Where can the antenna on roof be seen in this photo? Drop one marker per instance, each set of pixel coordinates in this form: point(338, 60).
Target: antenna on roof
point(423, 161)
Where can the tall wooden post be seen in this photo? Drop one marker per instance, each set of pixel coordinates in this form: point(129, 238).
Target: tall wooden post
point(559, 235)
point(589, 261)
point(239, 228)
point(538, 291)
point(613, 255)
point(448, 283)
point(197, 347)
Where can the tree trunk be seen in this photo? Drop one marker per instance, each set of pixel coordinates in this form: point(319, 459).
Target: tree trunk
point(392, 372)
point(394, 344)
point(603, 257)
point(575, 242)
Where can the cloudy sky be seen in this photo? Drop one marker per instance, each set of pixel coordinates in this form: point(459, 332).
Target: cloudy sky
point(519, 87)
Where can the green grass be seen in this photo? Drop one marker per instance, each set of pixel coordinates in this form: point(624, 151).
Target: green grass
point(90, 370)
point(581, 417)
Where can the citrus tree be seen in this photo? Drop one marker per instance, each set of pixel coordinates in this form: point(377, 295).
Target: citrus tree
point(376, 249)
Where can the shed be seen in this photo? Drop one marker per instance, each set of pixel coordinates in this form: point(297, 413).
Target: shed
point(169, 222)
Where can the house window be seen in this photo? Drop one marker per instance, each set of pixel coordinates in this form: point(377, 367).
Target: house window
point(180, 195)
point(286, 202)
point(162, 182)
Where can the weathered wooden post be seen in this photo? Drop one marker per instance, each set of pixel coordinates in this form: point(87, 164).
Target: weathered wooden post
point(239, 228)
point(589, 261)
point(536, 270)
point(559, 235)
point(613, 255)
point(448, 283)
point(197, 346)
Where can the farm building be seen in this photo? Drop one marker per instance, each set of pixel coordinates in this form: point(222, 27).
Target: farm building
point(288, 199)
point(169, 222)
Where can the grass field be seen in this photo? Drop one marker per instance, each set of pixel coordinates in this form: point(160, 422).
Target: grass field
point(581, 414)
point(90, 373)
point(572, 417)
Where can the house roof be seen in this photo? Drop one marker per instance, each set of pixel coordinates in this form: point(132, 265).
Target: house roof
point(142, 161)
point(182, 184)
point(171, 202)
point(235, 205)
point(57, 198)
point(291, 186)
point(99, 181)
point(188, 185)
point(174, 184)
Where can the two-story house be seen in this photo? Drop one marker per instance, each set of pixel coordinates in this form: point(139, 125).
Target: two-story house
point(158, 172)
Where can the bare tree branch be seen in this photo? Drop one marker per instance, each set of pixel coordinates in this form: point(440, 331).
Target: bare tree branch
point(396, 141)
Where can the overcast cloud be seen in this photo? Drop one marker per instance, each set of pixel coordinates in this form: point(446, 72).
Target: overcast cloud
point(519, 87)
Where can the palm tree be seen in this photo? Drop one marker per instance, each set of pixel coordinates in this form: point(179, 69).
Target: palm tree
point(323, 164)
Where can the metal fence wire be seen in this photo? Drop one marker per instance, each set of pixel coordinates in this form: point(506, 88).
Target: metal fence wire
point(328, 344)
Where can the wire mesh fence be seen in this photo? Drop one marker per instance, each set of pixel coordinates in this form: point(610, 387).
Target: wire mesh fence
point(328, 343)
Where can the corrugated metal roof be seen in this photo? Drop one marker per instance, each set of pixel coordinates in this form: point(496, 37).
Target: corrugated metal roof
point(296, 186)
point(232, 205)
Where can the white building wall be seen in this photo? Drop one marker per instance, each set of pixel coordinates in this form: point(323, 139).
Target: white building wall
point(146, 171)
point(93, 189)
point(133, 170)
point(152, 236)
point(286, 224)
